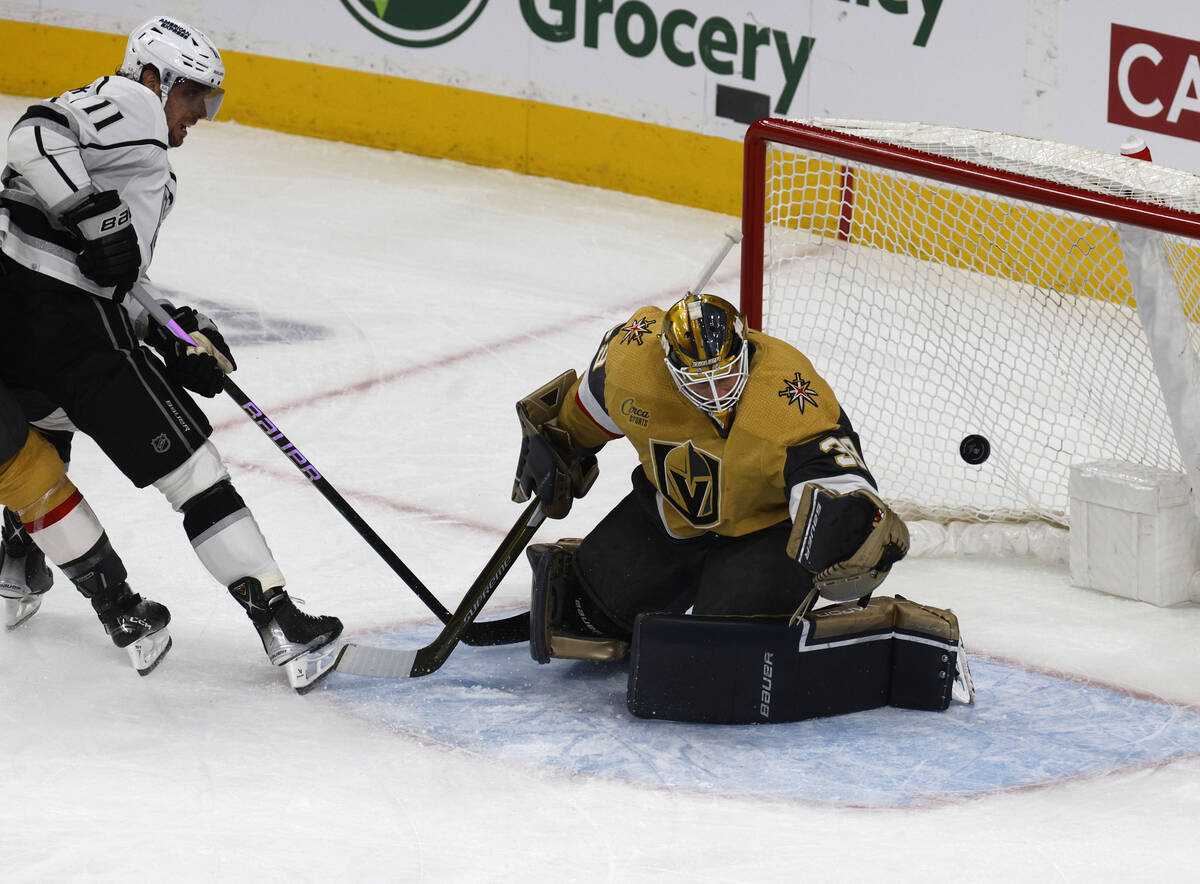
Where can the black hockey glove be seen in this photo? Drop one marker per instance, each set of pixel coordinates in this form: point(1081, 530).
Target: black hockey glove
point(202, 368)
point(554, 468)
point(110, 255)
point(551, 465)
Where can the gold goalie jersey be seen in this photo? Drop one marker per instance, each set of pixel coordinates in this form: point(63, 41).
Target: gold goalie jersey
point(788, 430)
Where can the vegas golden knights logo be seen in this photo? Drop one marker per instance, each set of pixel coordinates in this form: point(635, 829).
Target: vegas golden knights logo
point(690, 478)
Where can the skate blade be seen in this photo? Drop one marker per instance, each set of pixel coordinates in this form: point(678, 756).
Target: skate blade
point(148, 651)
point(305, 670)
point(17, 611)
point(964, 686)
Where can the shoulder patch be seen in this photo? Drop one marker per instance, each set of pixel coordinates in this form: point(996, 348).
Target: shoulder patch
point(636, 329)
point(799, 392)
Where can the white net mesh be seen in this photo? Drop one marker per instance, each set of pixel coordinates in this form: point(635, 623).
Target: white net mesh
point(938, 311)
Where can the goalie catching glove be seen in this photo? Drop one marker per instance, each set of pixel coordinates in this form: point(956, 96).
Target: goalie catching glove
point(848, 541)
point(201, 368)
point(551, 465)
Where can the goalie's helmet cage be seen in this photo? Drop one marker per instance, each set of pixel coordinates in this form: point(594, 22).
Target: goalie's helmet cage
point(704, 338)
point(178, 52)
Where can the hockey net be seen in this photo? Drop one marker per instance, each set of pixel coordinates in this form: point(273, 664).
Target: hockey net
point(951, 282)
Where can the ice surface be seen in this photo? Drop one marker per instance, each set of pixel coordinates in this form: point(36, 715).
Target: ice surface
point(387, 311)
point(1031, 730)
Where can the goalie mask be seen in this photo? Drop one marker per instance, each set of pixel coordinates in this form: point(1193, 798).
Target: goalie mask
point(704, 338)
point(178, 52)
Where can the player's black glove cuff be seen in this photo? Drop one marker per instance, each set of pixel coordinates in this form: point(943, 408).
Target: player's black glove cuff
point(551, 464)
point(202, 368)
point(554, 468)
point(110, 255)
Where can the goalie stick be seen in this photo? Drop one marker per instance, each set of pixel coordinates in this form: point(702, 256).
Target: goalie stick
point(732, 237)
point(375, 662)
point(509, 630)
point(496, 632)
point(379, 662)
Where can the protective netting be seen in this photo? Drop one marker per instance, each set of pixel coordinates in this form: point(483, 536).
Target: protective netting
point(938, 311)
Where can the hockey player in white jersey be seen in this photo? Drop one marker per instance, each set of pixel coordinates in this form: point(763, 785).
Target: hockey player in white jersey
point(86, 187)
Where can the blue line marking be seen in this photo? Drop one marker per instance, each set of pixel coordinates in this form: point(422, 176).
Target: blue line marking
point(1027, 729)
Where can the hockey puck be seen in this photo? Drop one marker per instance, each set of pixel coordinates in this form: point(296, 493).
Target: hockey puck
point(974, 449)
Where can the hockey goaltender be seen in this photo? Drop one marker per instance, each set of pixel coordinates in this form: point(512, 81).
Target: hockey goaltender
point(752, 500)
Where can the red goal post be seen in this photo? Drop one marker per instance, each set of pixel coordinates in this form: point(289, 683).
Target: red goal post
point(951, 282)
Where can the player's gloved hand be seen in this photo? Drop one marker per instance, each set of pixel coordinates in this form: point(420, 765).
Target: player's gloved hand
point(201, 368)
point(848, 541)
point(554, 468)
point(551, 465)
point(110, 255)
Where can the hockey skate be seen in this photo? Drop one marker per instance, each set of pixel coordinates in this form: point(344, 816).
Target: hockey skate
point(305, 645)
point(136, 624)
point(24, 577)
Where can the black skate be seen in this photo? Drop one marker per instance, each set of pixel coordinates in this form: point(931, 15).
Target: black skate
point(136, 624)
point(292, 638)
point(24, 575)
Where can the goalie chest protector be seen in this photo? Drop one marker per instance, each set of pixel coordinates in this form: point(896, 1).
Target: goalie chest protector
point(743, 670)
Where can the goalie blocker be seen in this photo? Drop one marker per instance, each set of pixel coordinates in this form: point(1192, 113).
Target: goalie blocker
point(839, 659)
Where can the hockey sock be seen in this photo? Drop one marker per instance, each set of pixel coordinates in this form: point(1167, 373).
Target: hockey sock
point(227, 538)
point(68, 532)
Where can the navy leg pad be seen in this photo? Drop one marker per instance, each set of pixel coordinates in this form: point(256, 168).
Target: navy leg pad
point(730, 670)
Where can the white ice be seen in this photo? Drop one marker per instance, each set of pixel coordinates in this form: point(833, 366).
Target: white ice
point(387, 310)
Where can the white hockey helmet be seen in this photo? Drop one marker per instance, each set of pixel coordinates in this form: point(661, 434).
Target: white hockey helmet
point(178, 52)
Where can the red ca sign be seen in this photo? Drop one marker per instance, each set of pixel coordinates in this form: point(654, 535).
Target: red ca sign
point(1154, 82)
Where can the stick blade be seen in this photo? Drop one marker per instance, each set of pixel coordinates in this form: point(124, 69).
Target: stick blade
point(376, 662)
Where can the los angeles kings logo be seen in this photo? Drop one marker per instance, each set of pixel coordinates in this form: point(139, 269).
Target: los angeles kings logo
point(416, 22)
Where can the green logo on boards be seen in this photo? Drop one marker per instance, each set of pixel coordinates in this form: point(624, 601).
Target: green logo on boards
point(416, 22)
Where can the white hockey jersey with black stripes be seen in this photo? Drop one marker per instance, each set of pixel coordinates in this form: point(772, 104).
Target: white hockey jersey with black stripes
point(109, 135)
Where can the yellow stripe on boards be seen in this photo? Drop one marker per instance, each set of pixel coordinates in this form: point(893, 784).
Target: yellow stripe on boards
point(42, 61)
point(415, 117)
point(587, 148)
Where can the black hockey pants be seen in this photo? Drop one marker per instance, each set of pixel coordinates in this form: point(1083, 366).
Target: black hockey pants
point(629, 565)
point(80, 352)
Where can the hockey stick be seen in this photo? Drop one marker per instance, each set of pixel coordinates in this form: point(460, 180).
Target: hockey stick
point(496, 632)
point(509, 630)
point(414, 662)
point(732, 237)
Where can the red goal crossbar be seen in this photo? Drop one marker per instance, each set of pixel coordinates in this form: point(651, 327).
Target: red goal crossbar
point(1122, 210)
